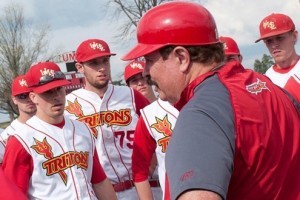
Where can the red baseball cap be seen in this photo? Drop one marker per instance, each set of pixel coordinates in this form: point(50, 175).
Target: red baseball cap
point(133, 68)
point(45, 76)
point(275, 24)
point(230, 46)
point(19, 85)
point(91, 49)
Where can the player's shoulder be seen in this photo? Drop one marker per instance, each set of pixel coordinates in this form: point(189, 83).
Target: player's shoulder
point(75, 92)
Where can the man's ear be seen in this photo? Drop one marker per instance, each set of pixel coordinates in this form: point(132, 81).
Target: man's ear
point(79, 67)
point(13, 98)
point(183, 58)
point(32, 97)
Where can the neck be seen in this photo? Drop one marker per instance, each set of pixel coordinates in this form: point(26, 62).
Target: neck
point(289, 62)
point(99, 91)
point(151, 97)
point(51, 119)
point(23, 117)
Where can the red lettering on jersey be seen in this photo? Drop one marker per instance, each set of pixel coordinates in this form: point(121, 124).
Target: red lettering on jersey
point(44, 148)
point(74, 108)
point(163, 126)
point(120, 117)
point(54, 165)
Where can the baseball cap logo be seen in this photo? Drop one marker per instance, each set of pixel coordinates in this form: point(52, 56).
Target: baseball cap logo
point(23, 83)
point(225, 45)
point(95, 46)
point(136, 65)
point(269, 24)
point(49, 72)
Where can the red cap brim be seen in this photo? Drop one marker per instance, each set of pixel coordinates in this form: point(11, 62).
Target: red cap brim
point(274, 33)
point(141, 50)
point(93, 56)
point(24, 90)
point(50, 85)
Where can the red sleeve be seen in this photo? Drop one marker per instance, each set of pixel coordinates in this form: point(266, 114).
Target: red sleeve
point(98, 174)
point(142, 154)
point(140, 101)
point(17, 164)
point(9, 189)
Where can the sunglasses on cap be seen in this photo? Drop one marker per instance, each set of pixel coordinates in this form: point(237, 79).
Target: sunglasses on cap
point(23, 95)
point(58, 75)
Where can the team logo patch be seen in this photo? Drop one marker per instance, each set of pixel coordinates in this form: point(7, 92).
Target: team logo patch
point(23, 83)
point(135, 65)
point(163, 126)
point(257, 87)
point(57, 165)
point(270, 25)
point(120, 117)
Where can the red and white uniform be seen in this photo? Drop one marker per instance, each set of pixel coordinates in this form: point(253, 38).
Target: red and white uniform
point(2, 150)
point(112, 119)
point(288, 78)
point(49, 162)
point(154, 128)
point(10, 130)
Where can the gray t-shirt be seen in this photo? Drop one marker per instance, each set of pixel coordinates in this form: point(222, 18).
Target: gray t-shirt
point(207, 141)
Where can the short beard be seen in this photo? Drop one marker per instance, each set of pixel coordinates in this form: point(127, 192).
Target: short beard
point(100, 85)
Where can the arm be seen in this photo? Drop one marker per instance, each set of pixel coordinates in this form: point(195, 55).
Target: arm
point(144, 190)
point(200, 195)
point(141, 159)
point(104, 190)
point(17, 164)
point(101, 185)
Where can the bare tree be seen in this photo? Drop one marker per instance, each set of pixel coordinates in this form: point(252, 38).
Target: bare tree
point(133, 10)
point(20, 47)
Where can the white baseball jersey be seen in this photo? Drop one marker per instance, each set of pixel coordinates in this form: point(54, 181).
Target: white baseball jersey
point(11, 129)
point(62, 159)
point(112, 120)
point(160, 118)
point(287, 79)
point(2, 150)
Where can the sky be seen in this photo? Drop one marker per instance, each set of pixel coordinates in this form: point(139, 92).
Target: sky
point(73, 21)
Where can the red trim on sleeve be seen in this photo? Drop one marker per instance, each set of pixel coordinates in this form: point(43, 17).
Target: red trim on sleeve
point(17, 164)
point(142, 154)
point(98, 174)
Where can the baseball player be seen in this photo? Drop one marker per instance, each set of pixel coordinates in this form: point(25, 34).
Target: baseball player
point(231, 49)
point(237, 135)
point(52, 156)
point(110, 111)
point(20, 97)
point(154, 128)
point(133, 76)
point(280, 36)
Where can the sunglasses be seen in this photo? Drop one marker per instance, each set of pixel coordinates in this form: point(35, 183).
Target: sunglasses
point(58, 75)
point(23, 96)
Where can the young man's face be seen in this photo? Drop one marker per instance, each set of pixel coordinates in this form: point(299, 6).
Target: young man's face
point(96, 71)
point(25, 105)
point(281, 47)
point(139, 83)
point(50, 104)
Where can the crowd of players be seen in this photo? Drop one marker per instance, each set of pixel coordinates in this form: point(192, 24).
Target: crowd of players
point(211, 129)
